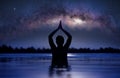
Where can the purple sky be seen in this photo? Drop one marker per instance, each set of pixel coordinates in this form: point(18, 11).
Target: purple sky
point(92, 23)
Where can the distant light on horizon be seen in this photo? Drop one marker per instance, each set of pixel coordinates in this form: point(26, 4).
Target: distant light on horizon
point(70, 55)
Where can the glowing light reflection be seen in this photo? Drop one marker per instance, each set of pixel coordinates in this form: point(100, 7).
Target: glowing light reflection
point(70, 55)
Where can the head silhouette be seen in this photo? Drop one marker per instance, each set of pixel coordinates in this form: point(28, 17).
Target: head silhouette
point(59, 40)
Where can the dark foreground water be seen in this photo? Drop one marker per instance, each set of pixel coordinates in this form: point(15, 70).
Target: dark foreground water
point(82, 66)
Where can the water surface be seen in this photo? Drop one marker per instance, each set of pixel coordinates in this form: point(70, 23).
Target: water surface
point(82, 66)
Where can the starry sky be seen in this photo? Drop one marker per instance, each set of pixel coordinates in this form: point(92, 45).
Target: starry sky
point(92, 23)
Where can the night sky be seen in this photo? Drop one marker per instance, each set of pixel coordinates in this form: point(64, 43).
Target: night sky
point(92, 23)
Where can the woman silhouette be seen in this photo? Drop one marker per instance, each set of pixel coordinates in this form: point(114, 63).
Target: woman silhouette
point(59, 52)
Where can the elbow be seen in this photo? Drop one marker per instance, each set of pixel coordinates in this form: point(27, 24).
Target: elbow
point(70, 36)
point(50, 36)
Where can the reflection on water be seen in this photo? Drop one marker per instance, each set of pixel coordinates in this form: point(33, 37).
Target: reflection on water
point(60, 73)
point(23, 66)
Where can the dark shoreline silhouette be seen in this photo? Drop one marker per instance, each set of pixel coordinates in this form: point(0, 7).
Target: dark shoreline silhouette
point(9, 49)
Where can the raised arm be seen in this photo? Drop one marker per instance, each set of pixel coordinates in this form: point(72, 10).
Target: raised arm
point(69, 39)
point(67, 44)
point(51, 42)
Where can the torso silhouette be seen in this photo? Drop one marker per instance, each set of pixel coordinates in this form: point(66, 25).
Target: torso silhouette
point(59, 57)
point(59, 52)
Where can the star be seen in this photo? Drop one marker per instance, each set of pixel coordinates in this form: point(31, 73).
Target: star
point(14, 9)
